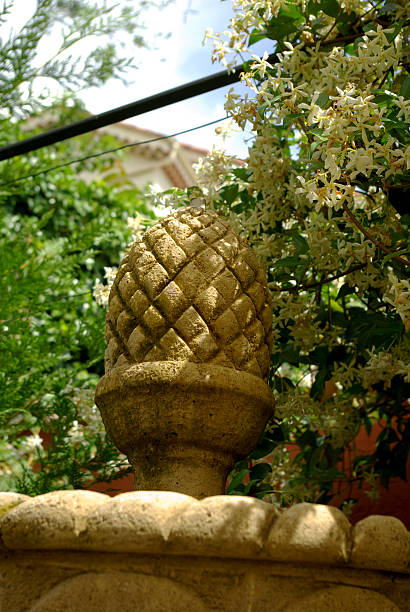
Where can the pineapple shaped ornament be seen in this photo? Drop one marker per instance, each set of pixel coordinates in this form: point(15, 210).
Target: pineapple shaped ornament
point(188, 332)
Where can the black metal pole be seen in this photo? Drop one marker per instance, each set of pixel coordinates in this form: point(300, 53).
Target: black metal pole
point(177, 94)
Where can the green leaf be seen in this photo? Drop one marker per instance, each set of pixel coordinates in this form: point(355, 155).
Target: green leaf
point(347, 17)
point(306, 439)
point(290, 355)
point(269, 441)
point(372, 329)
point(313, 8)
point(287, 21)
point(257, 35)
point(293, 11)
point(313, 147)
point(229, 193)
point(315, 165)
point(282, 383)
point(281, 27)
point(301, 244)
point(319, 384)
point(263, 449)
point(289, 119)
point(357, 41)
point(383, 96)
point(368, 424)
point(318, 133)
point(322, 99)
point(319, 355)
point(242, 173)
point(262, 489)
point(349, 49)
point(405, 88)
point(260, 471)
point(237, 480)
point(330, 7)
point(344, 290)
point(286, 262)
point(247, 488)
point(397, 29)
point(262, 109)
point(391, 256)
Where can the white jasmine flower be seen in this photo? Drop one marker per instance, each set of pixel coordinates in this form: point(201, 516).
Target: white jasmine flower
point(31, 443)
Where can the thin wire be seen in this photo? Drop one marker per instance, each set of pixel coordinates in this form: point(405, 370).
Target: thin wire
point(125, 146)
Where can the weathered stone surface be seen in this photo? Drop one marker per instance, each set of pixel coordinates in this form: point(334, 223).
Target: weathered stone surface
point(50, 521)
point(343, 599)
point(193, 290)
point(181, 424)
point(310, 531)
point(118, 591)
point(110, 582)
point(189, 340)
point(220, 526)
point(381, 542)
point(134, 522)
point(76, 550)
point(224, 525)
point(9, 499)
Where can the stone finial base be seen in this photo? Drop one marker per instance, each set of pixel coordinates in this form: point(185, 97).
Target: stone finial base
point(70, 551)
point(183, 425)
point(193, 471)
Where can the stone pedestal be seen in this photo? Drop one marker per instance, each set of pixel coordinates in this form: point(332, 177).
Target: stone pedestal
point(189, 320)
point(181, 424)
point(72, 551)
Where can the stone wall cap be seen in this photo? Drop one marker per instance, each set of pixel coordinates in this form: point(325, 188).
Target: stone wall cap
point(310, 531)
point(164, 522)
point(138, 521)
point(223, 526)
point(10, 499)
point(50, 521)
point(381, 542)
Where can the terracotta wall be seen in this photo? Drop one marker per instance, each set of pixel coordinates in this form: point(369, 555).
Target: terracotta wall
point(394, 501)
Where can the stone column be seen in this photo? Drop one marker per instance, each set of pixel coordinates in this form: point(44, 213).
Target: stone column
point(185, 391)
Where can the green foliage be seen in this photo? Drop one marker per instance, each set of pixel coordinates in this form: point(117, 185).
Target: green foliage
point(57, 234)
point(52, 345)
point(324, 201)
point(72, 22)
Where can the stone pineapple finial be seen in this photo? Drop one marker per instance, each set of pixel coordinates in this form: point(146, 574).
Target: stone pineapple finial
point(189, 341)
point(190, 290)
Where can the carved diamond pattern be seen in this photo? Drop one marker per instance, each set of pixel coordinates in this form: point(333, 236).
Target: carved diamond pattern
point(190, 290)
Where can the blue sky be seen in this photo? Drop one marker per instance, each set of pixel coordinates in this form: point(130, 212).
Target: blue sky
point(177, 60)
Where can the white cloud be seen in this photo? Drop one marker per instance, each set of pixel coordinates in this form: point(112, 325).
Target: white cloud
point(176, 60)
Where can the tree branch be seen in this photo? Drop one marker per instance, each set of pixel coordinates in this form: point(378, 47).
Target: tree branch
point(329, 279)
point(364, 231)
